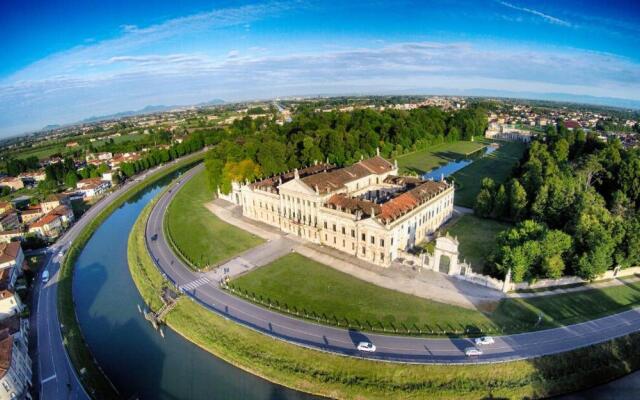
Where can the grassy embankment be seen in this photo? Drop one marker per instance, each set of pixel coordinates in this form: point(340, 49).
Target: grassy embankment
point(304, 288)
point(344, 377)
point(196, 234)
point(477, 238)
point(497, 166)
point(93, 379)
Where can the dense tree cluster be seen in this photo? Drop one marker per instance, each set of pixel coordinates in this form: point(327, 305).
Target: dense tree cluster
point(195, 142)
point(252, 148)
point(573, 183)
point(15, 167)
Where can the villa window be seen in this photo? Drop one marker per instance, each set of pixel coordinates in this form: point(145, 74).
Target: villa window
point(364, 251)
point(334, 227)
point(373, 240)
point(325, 224)
point(381, 242)
point(334, 240)
point(353, 233)
point(364, 237)
point(381, 256)
point(344, 230)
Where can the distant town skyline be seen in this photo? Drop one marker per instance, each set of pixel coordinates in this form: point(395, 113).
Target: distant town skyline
point(63, 62)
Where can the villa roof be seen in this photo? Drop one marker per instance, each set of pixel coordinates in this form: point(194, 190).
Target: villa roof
point(329, 181)
point(417, 193)
point(272, 183)
point(402, 204)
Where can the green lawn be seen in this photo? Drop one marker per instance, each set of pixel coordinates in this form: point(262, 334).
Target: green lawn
point(568, 308)
point(425, 160)
point(497, 165)
point(199, 236)
point(477, 238)
point(296, 281)
point(300, 286)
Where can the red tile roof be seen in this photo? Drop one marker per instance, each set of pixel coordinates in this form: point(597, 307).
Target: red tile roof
point(327, 182)
point(9, 251)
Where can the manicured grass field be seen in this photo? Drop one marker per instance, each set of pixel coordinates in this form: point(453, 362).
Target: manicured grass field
point(201, 237)
point(497, 165)
point(477, 238)
point(314, 290)
point(296, 281)
point(350, 378)
point(425, 160)
point(568, 308)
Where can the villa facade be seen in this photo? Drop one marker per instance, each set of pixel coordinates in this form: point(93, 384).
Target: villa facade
point(366, 209)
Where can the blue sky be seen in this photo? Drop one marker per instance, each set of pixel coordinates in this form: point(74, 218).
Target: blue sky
point(63, 61)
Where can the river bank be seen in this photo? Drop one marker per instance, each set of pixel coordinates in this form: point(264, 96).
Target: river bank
point(91, 375)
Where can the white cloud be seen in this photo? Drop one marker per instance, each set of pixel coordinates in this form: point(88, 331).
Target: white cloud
point(144, 66)
point(546, 17)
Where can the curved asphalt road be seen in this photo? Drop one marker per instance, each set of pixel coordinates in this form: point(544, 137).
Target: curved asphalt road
point(56, 377)
point(342, 341)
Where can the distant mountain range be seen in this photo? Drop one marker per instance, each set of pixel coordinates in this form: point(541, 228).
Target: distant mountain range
point(148, 110)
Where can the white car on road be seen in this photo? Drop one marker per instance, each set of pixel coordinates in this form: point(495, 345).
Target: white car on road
point(484, 340)
point(472, 352)
point(367, 346)
point(45, 276)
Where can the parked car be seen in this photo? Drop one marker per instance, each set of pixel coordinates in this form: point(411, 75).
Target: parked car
point(367, 346)
point(472, 352)
point(45, 276)
point(484, 340)
point(154, 237)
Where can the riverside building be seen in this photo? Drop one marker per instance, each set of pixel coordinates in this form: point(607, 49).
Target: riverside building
point(366, 209)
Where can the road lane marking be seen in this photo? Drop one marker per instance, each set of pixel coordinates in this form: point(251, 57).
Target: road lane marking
point(52, 377)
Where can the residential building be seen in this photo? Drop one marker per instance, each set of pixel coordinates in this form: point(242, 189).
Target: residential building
point(10, 303)
point(12, 263)
point(12, 182)
point(15, 363)
point(54, 200)
point(65, 213)
point(48, 227)
point(93, 187)
point(20, 202)
point(11, 235)
point(106, 156)
point(9, 220)
point(31, 214)
point(366, 209)
point(33, 177)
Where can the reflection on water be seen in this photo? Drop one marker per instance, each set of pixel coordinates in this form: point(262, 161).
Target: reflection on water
point(136, 358)
point(624, 388)
point(452, 167)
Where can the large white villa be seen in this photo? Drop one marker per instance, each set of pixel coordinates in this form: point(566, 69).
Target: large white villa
point(366, 209)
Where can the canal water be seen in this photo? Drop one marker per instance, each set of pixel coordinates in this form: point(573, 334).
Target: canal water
point(134, 356)
point(452, 167)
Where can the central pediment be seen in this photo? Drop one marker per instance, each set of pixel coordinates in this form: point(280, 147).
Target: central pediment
point(296, 185)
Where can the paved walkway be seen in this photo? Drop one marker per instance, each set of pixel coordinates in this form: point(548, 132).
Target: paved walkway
point(422, 283)
point(581, 288)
